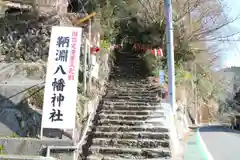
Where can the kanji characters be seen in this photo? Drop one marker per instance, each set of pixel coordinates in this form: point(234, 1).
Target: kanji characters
point(58, 85)
point(62, 55)
point(56, 115)
point(72, 57)
point(59, 98)
point(62, 41)
point(60, 68)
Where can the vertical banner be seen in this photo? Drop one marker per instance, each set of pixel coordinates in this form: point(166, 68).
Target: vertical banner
point(161, 77)
point(59, 107)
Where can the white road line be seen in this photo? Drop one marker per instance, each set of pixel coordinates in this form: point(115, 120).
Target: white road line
point(208, 154)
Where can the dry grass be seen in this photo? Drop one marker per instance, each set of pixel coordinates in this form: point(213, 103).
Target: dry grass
point(35, 97)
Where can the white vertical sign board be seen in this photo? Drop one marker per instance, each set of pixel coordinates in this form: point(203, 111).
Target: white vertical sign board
point(161, 77)
point(59, 107)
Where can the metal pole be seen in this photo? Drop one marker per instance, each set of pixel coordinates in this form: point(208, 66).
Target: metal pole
point(41, 132)
point(85, 66)
point(170, 54)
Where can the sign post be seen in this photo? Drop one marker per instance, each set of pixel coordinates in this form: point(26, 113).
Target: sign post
point(161, 77)
point(59, 107)
point(161, 80)
point(170, 54)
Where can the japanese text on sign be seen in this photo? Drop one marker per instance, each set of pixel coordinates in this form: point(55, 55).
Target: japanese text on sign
point(72, 58)
point(62, 72)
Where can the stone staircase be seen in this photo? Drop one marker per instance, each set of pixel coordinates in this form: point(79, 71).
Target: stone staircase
point(130, 123)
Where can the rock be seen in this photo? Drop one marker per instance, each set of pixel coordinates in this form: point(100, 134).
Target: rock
point(27, 39)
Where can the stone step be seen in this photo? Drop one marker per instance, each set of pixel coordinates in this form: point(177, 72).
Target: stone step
point(129, 57)
point(124, 60)
point(138, 103)
point(140, 85)
point(132, 95)
point(131, 98)
point(128, 117)
point(129, 112)
point(122, 53)
point(133, 81)
point(129, 66)
point(141, 79)
point(144, 83)
point(143, 100)
point(126, 75)
point(135, 143)
point(25, 157)
point(132, 91)
point(132, 88)
point(127, 70)
point(130, 122)
point(138, 89)
point(129, 60)
point(117, 128)
point(131, 107)
point(147, 152)
point(98, 156)
point(132, 135)
point(140, 94)
point(29, 146)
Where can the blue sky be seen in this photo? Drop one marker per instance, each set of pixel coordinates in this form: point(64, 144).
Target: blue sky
point(231, 54)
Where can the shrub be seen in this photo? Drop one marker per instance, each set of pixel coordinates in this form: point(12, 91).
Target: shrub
point(35, 96)
point(152, 64)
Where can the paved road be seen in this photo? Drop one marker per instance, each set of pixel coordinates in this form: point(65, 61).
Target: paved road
point(222, 143)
